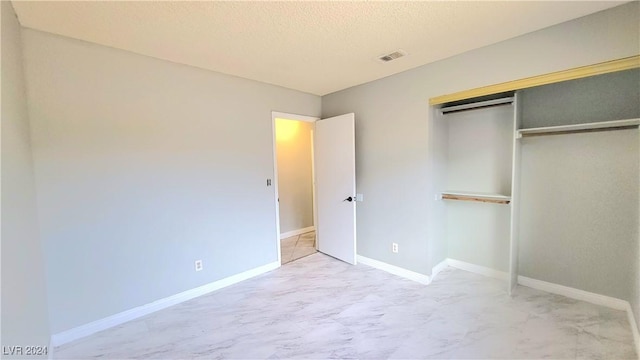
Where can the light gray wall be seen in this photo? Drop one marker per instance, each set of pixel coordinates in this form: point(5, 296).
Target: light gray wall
point(438, 142)
point(295, 183)
point(579, 211)
point(142, 167)
point(392, 115)
point(480, 144)
point(24, 306)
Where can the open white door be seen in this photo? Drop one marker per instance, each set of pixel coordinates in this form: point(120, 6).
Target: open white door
point(335, 170)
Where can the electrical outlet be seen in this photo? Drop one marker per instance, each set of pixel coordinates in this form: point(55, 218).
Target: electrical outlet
point(394, 247)
point(198, 265)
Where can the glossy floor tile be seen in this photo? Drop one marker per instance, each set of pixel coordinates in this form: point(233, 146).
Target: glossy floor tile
point(320, 308)
point(299, 246)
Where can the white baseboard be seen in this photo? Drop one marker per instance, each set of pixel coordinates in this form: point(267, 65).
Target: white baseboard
point(395, 270)
point(436, 269)
point(481, 270)
point(587, 296)
point(634, 328)
point(569, 292)
point(50, 350)
point(120, 318)
point(291, 233)
point(573, 293)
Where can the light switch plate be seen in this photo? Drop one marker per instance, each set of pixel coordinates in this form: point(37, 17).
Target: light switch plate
point(359, 197)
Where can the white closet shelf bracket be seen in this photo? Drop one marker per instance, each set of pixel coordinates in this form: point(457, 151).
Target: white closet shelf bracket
point(580, 128)
point(477, 197)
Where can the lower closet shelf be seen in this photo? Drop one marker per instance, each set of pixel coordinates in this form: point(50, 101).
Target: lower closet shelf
point(478, 197)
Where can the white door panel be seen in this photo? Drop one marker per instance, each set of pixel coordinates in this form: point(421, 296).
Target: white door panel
point(335, 172)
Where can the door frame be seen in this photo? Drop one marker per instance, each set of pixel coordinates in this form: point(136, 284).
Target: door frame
point(288, 116)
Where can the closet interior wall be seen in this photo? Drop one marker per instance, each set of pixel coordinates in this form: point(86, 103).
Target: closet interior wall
point(580, 192)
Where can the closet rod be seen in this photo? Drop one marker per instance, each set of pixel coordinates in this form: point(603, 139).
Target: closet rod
point(477, 198)
point(580, 128)
point(477, 105)
point(578, 131)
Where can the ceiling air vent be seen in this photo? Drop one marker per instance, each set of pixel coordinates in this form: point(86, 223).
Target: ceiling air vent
point(392, 56)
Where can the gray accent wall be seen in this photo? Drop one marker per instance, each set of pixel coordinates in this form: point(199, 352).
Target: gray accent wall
point(613, 96)
point(586, 185)
point(579, 211)
point(394, 168)
point(25, 320)
point(144, 166)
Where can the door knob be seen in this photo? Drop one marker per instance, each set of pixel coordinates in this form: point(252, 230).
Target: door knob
point(349, 199)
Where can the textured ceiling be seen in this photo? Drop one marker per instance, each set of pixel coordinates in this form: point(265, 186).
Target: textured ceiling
point(315, 47)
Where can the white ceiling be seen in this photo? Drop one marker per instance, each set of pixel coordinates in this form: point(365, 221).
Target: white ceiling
point(315, 47)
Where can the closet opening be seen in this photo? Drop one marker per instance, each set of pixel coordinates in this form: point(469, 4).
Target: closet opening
point(474, 184)
point(540, 186)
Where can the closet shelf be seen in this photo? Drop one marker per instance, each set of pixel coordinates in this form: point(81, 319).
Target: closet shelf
point(580, 128)
point(479, 197)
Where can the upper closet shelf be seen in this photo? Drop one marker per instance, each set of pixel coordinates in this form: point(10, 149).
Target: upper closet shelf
point(479, 197)
point(580, 128)
point(477, 105)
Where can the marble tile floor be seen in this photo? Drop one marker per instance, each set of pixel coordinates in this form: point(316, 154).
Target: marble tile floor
point(321, 308)
point(297, 247)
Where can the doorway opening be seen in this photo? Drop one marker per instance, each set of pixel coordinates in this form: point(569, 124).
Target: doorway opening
point(294, 185)
point(333, 170)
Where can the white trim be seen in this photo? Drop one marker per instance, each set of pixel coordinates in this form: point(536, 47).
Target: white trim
point(573, 293)
point(632, 319)
point(481, 270)
point(569, 292)
point(67, 336)
point(50, 349)
point(313, 182)
point(274, 183)
point(587, 296)
point(436, 269)
point(288, 116)
point(287, 234)
point(514, 221)
point(395, 270)
point(634, 328)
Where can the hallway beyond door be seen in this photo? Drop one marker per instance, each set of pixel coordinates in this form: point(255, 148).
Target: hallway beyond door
point(299, 246)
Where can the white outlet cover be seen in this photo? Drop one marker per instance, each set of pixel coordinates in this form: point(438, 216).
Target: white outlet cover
point(359, 197)
point(198, 265)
